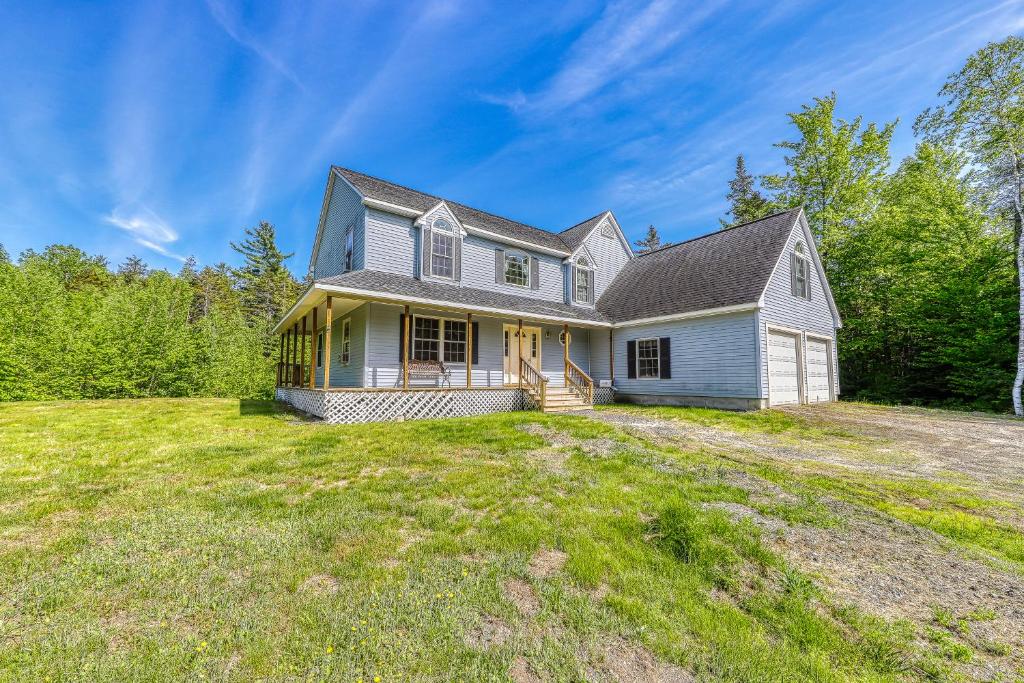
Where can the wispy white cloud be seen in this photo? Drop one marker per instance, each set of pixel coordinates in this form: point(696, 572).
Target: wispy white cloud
point(231, 26)
point(146, 228)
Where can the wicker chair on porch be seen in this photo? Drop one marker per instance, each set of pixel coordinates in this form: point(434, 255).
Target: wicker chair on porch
point(431, 368)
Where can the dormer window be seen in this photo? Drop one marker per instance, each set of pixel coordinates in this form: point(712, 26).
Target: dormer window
point(517, 269)
point(800, 268)
point(442, 249)
point(582, 281)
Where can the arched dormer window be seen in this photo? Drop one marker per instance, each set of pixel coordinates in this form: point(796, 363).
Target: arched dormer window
point(582, 281)
point(800, 268)
point(443, 249)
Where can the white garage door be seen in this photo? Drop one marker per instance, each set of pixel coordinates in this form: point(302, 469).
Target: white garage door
point(818, 358)
point(783, 370)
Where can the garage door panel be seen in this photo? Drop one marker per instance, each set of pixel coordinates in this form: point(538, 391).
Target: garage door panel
point(783, 369)
point(818, 381)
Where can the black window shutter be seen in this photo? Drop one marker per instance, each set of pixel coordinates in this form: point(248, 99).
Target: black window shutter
point(425, 251)
point(631, 359)
point(401, 336)
point(499, 266)
point(665, 357)
point(457, 242)
point(476, 342)
point(534, 273)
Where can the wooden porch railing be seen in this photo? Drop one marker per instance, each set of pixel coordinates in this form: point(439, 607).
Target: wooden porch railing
point(293, 374)
point(535, 382)
point(579, 381)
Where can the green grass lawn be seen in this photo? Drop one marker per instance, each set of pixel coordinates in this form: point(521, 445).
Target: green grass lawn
point(174, 540)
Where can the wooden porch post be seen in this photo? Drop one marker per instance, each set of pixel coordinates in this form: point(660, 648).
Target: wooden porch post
point(295, 353)
point(469, 350)
point(287, 358)
point(280, 359)
point(327, 343)
point(407, 349)
point(519, 369)
point(312, 361)
point(302, 356)
point(565, 348)
point(611, 354)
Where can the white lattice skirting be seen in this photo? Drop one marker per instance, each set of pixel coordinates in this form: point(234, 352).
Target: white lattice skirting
point(603, 395)
point(349, 407)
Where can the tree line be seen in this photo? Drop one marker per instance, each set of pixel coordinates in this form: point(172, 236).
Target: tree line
point(73, 328)
point(924, 257)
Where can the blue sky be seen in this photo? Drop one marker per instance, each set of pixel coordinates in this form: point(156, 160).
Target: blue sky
point(164, 129)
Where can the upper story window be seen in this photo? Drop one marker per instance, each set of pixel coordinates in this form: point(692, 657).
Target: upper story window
point(800, 268)
point(517, 269)
point(349, 241)
point(442, 249)
point(583, 282)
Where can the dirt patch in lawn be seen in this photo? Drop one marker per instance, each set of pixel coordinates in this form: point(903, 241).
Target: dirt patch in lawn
point(521, 594)
point(319, 583)
point(490, 632)
point(546, 563)
point(521, 672)
point(620, 660)
point(559, 446)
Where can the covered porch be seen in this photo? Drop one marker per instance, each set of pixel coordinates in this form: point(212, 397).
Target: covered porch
point(407, 359)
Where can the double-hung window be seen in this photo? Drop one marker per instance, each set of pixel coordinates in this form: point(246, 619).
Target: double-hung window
point(648, 359)
point(439, 339)
point(801, 266)
point(584, 281)
point(442, 249)
point(346, 341)
point(517, 269)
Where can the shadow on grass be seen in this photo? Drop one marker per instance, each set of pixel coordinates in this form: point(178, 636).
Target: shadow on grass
point(250, 406)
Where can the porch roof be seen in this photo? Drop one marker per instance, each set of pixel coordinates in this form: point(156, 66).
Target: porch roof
point(371, 285)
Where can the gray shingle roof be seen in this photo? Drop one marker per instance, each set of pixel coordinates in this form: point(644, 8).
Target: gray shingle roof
point(575, 235)
point(406, 286)
point(725, 268)
point(385, 191)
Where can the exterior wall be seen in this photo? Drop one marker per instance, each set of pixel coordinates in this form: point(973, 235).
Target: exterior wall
point(344, 209)
point(609, 255)
point(478, 270)
point(383, 367)
point(600, 355)
point(350, 374)
point(390, 243)
point(783, 309)
point(714, 356)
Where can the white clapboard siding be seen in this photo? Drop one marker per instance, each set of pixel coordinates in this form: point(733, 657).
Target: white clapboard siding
point(713, 356)
point(783, 309)
point(344, 209)
point(609, 255)
point(390, 243)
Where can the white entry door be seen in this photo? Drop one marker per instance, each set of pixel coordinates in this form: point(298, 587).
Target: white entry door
point(783, 368)
point(531, 350)
point(819, 385)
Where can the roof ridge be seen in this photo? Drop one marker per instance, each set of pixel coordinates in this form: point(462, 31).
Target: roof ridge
point(585, 220)
point(443, 199)
point(718, 232)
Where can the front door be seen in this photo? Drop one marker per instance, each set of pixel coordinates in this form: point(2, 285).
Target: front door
point(531, 350)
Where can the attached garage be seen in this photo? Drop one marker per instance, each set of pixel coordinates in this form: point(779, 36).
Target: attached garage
point(783, 368)
point(819, 375)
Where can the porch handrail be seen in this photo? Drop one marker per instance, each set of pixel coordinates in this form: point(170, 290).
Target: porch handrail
point(293, 374)
point(533, 380)
point(579, 381)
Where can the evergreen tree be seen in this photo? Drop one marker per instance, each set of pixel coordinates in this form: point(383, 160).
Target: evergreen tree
point(4, 256)
point(984, 116)
point(650, 242)
point(133, 269)
point(267, 288)
point(746, 203)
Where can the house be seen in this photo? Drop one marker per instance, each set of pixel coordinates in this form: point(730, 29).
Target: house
point(424, 307)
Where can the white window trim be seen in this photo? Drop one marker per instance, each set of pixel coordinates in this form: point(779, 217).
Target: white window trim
point(657, 347)
point(517, 254)
point(590, 282)
point(442, 323)
point(320, 350)
point(803, 257)
point(346, 341)
point(450, 234)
